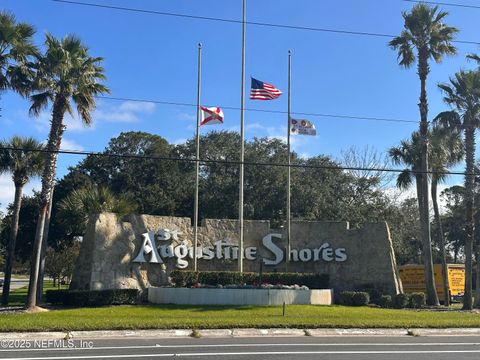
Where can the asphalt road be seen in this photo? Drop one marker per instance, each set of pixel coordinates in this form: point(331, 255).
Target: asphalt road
point(18, 283)
point(15, 283)
point(265, 348)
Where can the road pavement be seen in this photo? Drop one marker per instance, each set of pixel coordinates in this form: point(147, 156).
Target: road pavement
point(15, 283)
point(264, 348)
point(18, 283)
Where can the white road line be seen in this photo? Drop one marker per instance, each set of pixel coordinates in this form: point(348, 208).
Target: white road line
point(232, 345)
point(136, 356)
point(320, 344)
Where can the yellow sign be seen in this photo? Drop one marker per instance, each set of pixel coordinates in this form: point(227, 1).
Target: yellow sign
point(413, 278)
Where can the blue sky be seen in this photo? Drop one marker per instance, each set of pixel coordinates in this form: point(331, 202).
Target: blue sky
point(154, 57)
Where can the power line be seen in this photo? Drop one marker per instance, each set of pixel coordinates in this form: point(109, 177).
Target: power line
point(233, 162)
point(208, 18)
point(341, 116)
point(444, 4)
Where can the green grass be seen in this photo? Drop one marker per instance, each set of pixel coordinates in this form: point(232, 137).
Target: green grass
point(205, 317)
point(19, 296)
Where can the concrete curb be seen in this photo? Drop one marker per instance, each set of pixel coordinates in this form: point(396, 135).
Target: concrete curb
point(222, 333)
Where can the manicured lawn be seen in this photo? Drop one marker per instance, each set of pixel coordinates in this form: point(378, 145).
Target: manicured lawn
point(204, 317)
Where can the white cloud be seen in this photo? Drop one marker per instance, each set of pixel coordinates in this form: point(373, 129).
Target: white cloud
point(7, 190)
point(68, 144)
point(115, 116)
point(73, 123)
point(272, 132)
point(137, 107)
point(126, 112)
point(184, 116)
point(399, 195)
point(180, 141)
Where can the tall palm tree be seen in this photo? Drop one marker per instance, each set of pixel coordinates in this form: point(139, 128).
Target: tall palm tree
point(463, 95)
point(424, 37)
point(23, 163)
point(445, 151)
point(65, 72)
point(16, 49)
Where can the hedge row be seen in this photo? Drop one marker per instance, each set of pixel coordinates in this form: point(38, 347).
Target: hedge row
point(401, 301)
point(184, 278)
point(353, 298)
point(82, 298)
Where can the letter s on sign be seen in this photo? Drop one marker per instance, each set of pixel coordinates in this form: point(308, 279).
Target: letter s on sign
point(271, 246)
point(340, 255)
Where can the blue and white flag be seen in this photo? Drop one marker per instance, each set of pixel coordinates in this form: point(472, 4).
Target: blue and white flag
point(302, 127)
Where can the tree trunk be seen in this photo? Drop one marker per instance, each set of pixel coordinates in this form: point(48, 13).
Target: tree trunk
point(423, 70)
point(11, 243)
point(41, 272)
point(54, 140)
point(469, 212)
point(441, 242)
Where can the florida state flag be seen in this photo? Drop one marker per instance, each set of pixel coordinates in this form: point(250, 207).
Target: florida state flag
point(211, 116)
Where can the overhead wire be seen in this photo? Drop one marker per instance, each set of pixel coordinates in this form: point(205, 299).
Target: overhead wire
point(445, 4)
point(342, 116)
point(233, 162)
point(255, 23)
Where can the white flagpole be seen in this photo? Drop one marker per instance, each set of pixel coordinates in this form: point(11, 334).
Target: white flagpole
point(197, 165)
point(242, 150)
point(289, 160)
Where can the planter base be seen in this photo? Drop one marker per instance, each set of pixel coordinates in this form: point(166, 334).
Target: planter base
point(187, 296)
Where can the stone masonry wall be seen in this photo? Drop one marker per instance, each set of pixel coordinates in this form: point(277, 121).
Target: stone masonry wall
point(110, 246)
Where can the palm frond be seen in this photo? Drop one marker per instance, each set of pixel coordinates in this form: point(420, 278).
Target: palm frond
point(39, 102)
point(405, 179)
point(449, 120)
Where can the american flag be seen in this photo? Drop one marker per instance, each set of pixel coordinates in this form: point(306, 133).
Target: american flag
point(262, 91)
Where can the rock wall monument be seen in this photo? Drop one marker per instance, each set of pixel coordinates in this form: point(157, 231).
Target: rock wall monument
point(140, 251)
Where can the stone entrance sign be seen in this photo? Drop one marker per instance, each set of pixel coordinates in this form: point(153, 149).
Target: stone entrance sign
point(140, 251)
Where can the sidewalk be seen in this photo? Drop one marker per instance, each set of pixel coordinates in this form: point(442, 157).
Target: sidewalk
point(223, 333)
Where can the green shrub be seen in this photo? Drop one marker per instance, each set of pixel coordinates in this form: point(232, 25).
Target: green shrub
point(401, 301)
point(385, 301)
point(83, 298)
point(345, 298)
point(360, 298)
point(374, 291)
point(417, 300)
point(56, 296)
point(186, 278)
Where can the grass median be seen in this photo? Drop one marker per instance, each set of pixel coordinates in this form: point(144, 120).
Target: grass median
point(211, 317)
point(208, 317)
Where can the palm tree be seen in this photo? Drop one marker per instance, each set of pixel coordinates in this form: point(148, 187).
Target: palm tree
point(425, 33)
point(65, 72)
point(16, 48)
point(23, 163)
point(75, 209)
point(463, 95)
point(445, 151)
